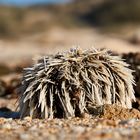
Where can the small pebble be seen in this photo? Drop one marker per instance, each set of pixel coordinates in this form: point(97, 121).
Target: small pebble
point(78, 129)
point(6, 126)
point(28, 118)
point(24, 136)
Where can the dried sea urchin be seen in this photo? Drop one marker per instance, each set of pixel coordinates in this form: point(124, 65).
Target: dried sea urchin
point(68, 84)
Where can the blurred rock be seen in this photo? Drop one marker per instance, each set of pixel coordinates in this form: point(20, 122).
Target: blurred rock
point(13, 86)
point(4, 69)
point(10, 103)
point(2, 88)
point(9, 88)
point(135, 39)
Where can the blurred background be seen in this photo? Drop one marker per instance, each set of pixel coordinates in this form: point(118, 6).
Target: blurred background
point(30, 28)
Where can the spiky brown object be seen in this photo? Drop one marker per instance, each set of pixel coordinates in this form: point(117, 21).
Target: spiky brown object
point(74, 82)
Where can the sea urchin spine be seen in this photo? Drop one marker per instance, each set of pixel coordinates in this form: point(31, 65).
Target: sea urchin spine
point(68, 84)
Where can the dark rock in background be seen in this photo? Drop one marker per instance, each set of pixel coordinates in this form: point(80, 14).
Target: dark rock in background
point(3, 88)
point(10, 89)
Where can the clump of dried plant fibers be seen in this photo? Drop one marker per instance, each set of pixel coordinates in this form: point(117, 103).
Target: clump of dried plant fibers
point(72, 83)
